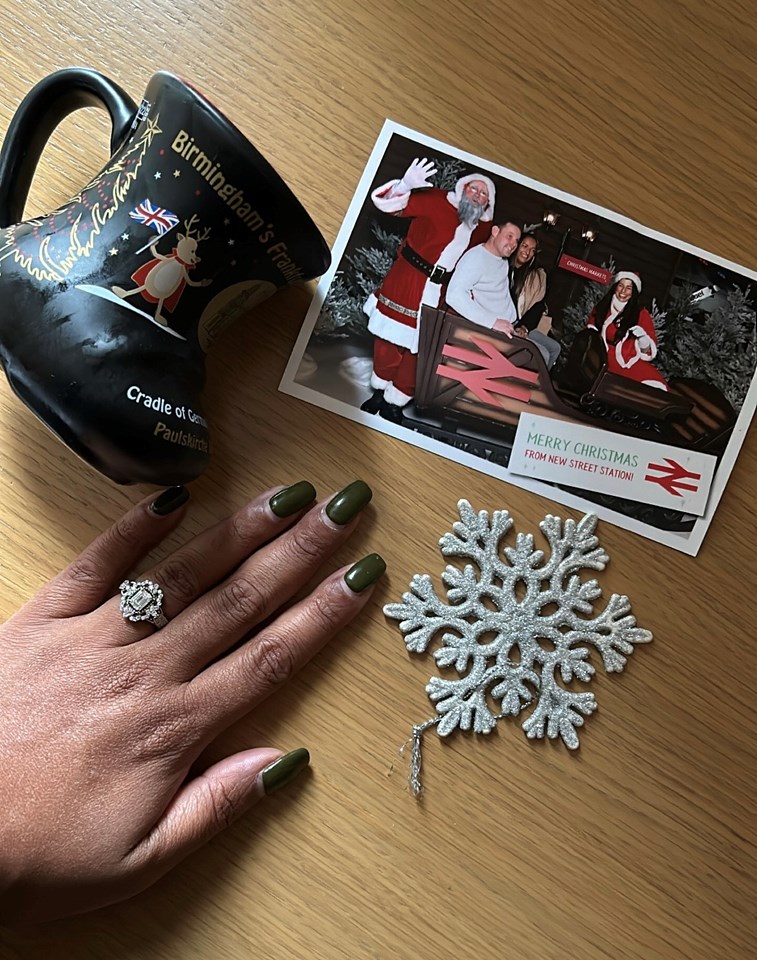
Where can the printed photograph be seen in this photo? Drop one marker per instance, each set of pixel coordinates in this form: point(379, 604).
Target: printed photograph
point(463, 295)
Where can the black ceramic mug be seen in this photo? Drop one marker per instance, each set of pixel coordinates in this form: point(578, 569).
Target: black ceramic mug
point(108, 304)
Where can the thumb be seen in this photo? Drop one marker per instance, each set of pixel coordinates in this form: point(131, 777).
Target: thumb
point(214, 800)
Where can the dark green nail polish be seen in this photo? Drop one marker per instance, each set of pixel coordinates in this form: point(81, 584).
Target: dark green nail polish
point(169, 500)
point(365, 572)
point(291, 499)
point(346, 505)
point(282, 771)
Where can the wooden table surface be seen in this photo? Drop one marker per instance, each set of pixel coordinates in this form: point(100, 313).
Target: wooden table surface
point(641, 845)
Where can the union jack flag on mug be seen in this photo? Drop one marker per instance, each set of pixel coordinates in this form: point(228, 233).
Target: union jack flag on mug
point(160, 219)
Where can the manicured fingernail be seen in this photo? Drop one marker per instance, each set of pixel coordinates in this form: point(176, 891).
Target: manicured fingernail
point(282, 771)
point(348, 503)
point(170, 500)
point(362, 574)
point(291, 499)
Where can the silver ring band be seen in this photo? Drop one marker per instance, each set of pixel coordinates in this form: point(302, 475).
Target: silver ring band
point(142, 600)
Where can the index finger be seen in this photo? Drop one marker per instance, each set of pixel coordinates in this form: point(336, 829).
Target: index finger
point(232, 685)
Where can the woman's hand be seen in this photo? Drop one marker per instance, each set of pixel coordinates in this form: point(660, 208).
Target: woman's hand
point(101, 718)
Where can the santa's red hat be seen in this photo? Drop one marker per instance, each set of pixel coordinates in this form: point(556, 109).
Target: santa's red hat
point(628, 275)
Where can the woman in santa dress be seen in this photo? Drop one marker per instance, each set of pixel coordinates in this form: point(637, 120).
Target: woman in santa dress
point(627, 330)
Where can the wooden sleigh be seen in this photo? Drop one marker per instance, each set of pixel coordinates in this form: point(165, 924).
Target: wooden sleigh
point(475, 382)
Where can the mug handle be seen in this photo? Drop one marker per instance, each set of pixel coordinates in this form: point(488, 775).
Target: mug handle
point(39, 113)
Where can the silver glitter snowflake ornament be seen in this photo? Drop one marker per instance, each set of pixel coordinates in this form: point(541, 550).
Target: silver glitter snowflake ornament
point(517, 627)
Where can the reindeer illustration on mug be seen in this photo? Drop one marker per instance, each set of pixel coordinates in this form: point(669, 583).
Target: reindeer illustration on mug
point(162, 279)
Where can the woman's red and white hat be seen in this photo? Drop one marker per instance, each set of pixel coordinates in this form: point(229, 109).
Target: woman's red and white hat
point(628, 275)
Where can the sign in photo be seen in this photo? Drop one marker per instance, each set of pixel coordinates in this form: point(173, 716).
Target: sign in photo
point(589, 270)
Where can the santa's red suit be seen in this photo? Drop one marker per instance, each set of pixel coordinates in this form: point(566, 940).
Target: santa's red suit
point(631, 356)
point(438, 237)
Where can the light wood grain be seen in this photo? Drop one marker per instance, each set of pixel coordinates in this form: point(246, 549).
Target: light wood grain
point(641, 846)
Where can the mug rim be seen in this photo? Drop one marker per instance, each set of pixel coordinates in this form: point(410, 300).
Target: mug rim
point(266, 167)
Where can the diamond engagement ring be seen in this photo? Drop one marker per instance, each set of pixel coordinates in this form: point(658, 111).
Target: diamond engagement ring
point(142, 600)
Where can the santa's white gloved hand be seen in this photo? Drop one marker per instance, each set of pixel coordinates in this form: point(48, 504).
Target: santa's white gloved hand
point(416, 176)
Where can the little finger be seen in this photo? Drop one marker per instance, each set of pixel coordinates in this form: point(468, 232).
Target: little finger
point(195, 568)
point(95, 573)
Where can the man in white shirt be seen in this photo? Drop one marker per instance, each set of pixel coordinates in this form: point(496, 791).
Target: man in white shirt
point(479, 289)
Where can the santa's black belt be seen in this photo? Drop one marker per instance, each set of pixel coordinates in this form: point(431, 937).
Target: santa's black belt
point(436, 274)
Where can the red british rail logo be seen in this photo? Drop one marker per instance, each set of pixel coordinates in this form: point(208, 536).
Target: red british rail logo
point(672, 477)
point(492, 368)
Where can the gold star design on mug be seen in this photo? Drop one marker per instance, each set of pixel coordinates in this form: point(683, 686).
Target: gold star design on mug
point(113, 251)
point(177, 173)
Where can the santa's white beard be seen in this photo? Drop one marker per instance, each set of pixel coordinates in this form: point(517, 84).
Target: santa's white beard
point(469, 212)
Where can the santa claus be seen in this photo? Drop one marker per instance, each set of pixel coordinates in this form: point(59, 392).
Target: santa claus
point(627, 331)
point(444, 224)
